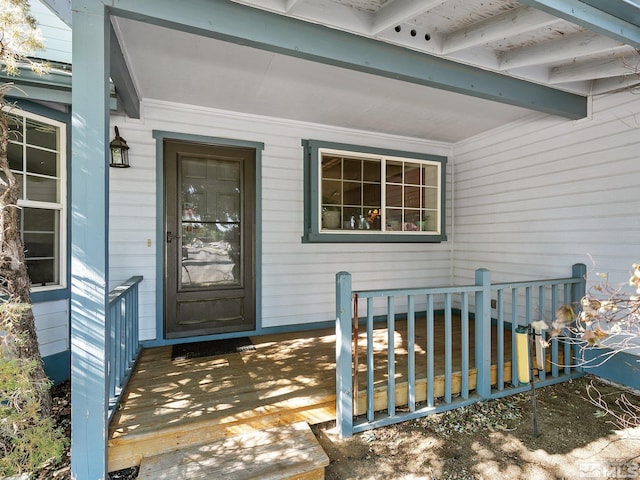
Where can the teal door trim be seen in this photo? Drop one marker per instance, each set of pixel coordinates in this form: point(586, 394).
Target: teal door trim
point(160, 136)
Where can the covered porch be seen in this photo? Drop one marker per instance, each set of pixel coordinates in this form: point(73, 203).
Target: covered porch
point(283, 379)
point(144, 47)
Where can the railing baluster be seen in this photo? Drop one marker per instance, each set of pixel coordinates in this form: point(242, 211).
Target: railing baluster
point(568, 360)
point(514, 325)
point(391, 358)
point(370, 365)
point(430, 352)
point(411, 360)
point(554, 341)
point(448, 346)
point(464, 384)
point(500, 339)
point(542, 372)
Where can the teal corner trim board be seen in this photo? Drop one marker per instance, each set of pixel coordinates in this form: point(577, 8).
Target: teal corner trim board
point(58, 366)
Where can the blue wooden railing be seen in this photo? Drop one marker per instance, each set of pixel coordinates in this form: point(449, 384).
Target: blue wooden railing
point(123, 343)
point(512, 304)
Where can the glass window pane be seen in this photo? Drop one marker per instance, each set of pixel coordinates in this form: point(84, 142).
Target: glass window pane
point(331, 218)
point(430, 175)
point(42, 162)
point(39, 244)
point(14, 154)
point(394, 172)
point(371, 171)
point(210, 255)
point(331, 167)
point(352, 169)
point(352, 193)
point(43, 272)
point(394, 195)
point(42, 189)
point(41, 134)
point(431, 198)
point(331, 192)
point(394, 219)
point(39, 219)
point(371, 195)
point(412, 173)
point(412, 197)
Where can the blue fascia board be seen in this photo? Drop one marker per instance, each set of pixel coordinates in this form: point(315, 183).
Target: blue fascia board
point(243, 25)
point(626, 10)
point(601, 17)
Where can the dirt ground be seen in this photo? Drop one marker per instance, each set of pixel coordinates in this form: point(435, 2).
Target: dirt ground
point(490, 440)
point(494, 440)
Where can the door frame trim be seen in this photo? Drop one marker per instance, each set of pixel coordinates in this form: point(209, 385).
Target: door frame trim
point(160, 136)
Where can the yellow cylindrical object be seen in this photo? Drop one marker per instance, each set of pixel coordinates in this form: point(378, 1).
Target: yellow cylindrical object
point(522, 352)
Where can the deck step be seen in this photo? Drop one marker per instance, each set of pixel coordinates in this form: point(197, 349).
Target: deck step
point(280, 453)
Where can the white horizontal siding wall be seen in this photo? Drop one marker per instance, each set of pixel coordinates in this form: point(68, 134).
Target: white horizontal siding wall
point(535, 197)
point(52, 326)
point(298, 280)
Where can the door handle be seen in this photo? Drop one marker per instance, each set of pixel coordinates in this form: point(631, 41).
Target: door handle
point(171, 236)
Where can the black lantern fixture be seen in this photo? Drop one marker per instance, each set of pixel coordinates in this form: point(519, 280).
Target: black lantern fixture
point(119, 152)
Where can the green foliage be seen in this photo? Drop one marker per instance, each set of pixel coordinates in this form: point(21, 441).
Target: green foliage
point(20, 37)
point(28, 439)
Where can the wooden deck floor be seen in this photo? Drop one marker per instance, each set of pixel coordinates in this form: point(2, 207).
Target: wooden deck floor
point(288, 378)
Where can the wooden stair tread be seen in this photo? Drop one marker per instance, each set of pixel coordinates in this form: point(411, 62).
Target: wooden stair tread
point(277, 453)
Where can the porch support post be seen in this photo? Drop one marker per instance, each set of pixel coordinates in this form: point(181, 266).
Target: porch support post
point(344, 369)
point(483, 333)
point(89, 235)
point(579, 290)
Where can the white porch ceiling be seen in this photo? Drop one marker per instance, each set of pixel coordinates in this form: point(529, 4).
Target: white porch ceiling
point(185, 68)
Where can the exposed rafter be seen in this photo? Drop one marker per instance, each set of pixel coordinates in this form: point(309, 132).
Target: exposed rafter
point(595, 19)
point(600, 68)
point(243, 25)
point(574, 46)
point(400, 11)
point(513, 22)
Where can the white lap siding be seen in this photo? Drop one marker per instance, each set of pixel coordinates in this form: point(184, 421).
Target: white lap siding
point(298, 279)
point(537, 196)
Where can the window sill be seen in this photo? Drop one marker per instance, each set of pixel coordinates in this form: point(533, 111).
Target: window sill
point(372, 238)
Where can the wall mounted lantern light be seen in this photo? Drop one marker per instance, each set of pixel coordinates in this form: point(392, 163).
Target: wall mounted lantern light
point(119, 152)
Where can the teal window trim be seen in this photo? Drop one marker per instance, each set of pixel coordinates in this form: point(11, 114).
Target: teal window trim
point(312, 233)
point(60, 114)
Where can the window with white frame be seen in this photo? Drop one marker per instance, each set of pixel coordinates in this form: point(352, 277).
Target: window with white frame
point(37, 156)
point(365, 194)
